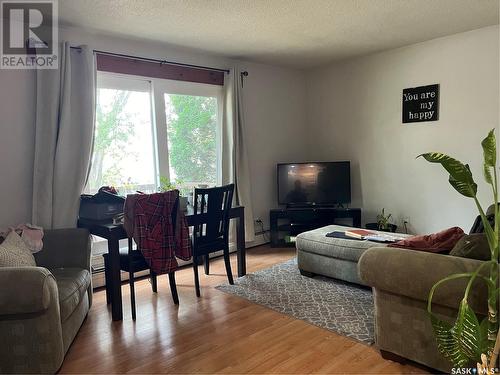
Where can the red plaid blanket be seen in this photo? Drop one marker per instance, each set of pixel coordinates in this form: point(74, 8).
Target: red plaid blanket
point(148, 219)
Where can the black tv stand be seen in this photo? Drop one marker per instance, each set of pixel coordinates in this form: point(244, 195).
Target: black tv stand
point(290, 221)
point(316, 205)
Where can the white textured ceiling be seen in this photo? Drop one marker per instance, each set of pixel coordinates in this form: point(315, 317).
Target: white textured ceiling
point(297, 33)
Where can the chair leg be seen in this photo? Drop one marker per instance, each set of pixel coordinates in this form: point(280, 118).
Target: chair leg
point(107, 280)
point(173, 287)
point(196, 279)
point(154, 282)
point(207, 264)
point(227, 262)
point(132, 293)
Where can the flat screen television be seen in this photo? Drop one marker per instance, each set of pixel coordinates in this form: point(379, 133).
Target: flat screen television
point(324, 183)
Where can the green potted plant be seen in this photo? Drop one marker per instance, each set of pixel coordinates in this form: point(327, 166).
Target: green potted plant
point(166, 185)
point(382, 223)
point(467, 340)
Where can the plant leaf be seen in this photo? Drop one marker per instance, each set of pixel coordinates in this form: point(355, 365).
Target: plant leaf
point(463, 341)
point(467, 332)
point(468, 190)
point(454, 167)
point(486, 345)
point(490, 155)
point(446, 343)
point(460, 175)
point(490, 149)
point(487, 173)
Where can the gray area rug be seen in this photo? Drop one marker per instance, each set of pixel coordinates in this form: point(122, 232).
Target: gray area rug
point(332, 304)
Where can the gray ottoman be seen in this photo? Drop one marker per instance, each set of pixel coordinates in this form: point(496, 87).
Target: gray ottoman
point(332, 257)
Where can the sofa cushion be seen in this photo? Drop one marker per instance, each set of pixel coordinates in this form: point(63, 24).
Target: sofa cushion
point(72, 283)
point(316, 242)
point(472, 246)
point(15, 253)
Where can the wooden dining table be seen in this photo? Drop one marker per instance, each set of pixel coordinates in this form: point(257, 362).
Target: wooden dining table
point(113, 233)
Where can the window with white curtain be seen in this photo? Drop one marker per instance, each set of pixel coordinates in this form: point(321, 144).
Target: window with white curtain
point(152, 131)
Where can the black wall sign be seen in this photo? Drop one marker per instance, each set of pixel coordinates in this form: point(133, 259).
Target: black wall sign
point(421, 104)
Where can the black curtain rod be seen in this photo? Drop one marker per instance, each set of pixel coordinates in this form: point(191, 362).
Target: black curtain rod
point(158, 61)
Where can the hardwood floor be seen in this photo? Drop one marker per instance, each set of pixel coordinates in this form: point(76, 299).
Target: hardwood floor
point(217, 333)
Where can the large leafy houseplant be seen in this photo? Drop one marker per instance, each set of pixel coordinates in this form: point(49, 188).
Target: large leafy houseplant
point(469, 341)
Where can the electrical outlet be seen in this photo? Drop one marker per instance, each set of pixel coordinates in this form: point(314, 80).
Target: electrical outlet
point(406, 224)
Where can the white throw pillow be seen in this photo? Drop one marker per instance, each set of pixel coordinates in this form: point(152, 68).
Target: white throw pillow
point(15, 253)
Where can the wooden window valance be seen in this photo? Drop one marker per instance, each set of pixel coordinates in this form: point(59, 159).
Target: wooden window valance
point(142, 67)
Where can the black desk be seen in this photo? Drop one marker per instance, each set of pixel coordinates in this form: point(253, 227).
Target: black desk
point(114, 233)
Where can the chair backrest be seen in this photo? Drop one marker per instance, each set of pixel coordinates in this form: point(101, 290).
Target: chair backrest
point(478, 226)
point(175, 209)
point(174, 214)
point(214, 204)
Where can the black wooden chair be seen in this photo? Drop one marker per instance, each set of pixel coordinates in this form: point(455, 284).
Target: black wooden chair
point(132, 261)
point(211, 232)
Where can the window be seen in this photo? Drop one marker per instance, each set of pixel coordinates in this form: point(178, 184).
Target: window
point(124, 151)
point(153, 129)
point(192, 138)
point(150, 130)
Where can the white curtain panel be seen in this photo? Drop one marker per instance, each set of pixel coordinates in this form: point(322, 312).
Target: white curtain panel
point(64, 128)
point(234, 154)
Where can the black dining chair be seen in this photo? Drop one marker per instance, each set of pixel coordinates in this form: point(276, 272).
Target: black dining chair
point(132, 261)
point(211, 231)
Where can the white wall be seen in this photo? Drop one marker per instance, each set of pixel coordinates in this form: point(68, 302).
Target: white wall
point(274, 100)
point(275, 117)
point(354, 113)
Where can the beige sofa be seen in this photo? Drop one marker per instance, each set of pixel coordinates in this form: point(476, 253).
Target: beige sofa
point(401, 280)
point(42, 308)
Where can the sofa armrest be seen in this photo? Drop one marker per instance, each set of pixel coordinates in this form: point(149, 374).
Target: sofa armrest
point(412, 274)
point(65, 248)
point(26, 290)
